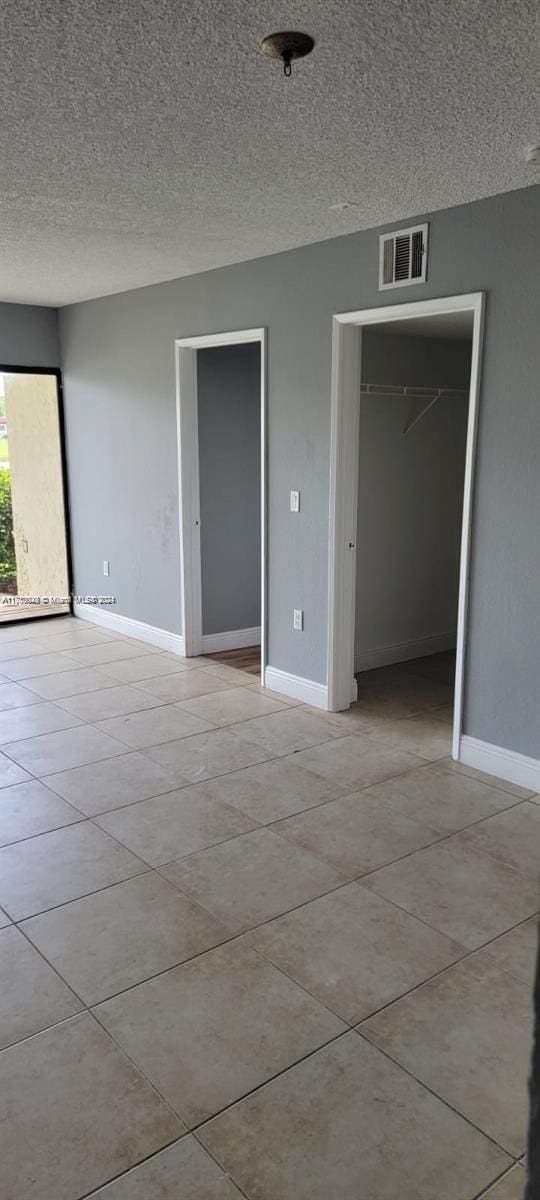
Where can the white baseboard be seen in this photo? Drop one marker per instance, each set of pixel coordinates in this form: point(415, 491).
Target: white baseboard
point(233, 639)
point(305, 690)
point(383, 656)
point(496, 760)
point(126, 626)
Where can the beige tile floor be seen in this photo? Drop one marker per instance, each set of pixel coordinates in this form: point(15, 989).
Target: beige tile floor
point(250, 950)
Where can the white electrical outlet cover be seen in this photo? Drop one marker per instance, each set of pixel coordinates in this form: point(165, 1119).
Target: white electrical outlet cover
point(295, 502)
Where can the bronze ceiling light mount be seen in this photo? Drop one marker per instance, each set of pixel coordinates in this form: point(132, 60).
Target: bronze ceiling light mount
point(286, 46)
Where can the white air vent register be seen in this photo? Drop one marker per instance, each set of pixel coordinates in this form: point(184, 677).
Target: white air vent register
point(403, 257)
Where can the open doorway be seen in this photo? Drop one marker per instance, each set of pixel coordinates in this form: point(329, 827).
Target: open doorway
point(221, 427)
point(405, 390)
point(34, 571)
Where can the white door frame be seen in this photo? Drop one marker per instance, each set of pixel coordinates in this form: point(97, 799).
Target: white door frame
point(188, 480)
point(344, 455)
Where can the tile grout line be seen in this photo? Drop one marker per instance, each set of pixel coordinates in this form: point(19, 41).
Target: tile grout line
point(508, 1170)
point(429, 1088)
point(233, 936)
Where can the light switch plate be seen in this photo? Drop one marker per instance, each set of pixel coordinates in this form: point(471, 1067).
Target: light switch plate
point(295, 501)
point(298, 618)
point(106, 566)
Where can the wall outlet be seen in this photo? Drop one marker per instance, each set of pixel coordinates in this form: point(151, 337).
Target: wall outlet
point(295, 501)
point(106, 567)
point(298, 618)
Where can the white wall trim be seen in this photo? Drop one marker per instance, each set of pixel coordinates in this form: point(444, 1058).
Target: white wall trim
point(305, 690)
point(381, 656)
point(496, 760)
point(127, 627)
point(233, 639)
point(188, 481)
point(344, 455)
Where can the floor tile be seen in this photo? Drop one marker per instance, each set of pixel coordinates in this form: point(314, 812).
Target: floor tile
point(443, 799)
point(286, 732)
point(30, 808)
point(10, 772)
point(209, 1031)
point(22, 648)
point(19, 631)
point(113, 939)
point(76, 1113)
point(56, 867)
point(4, 919)
point(67, 748)
point(40, 625)
point(110, 652)
point(355, 834)
point(469, 896)
point(75, 639)
point(145, 667)
point(13, 695)
point(181, 1172)
point(271, 790)
point(33, 720)
point(32, 996)
point(140, 730)
point(349, 1124)
point(113, 782)
point(69, 683)
point(394, 693)
point(108, 702)
point(251, 879)
point(183, 685)
point(516, 951)
point(352, 954)
point(441, 666)
point(209, 754)
point(37, 664)
point(423, 735)
point(264, 691)
point(510, 1187)
point(512, 837)
point(198, 660)
point(234, 704)
point(171, 826)
point(356, 761)
point(467, 1035)
point(493, 780)
point(231, 675)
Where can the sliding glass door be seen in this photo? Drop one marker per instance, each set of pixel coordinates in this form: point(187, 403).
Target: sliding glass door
point(34, 573)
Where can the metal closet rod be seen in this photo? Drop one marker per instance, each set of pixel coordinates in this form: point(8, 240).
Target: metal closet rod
point(431, 394)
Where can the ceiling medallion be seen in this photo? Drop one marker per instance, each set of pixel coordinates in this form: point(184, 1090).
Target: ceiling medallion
point(286, 46)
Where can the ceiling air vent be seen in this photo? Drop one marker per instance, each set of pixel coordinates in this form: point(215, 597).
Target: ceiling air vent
point(403, 257)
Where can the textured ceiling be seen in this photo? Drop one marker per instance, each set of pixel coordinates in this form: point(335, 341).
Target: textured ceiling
point(146, 139)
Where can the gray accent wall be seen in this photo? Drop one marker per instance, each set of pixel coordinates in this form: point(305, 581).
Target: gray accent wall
point(28, 336)
point(410, 497)
point(118, 364)
point(229, 421)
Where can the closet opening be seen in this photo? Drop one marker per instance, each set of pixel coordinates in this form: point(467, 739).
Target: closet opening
point(405, 392)
point(221, 427)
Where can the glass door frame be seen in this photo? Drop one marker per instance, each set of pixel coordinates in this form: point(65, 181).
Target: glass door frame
point(6, 369)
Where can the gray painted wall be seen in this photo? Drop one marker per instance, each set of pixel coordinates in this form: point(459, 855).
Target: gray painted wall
point(118, 362)
point(229, 418)
point(28, 336)
point(410, 495)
